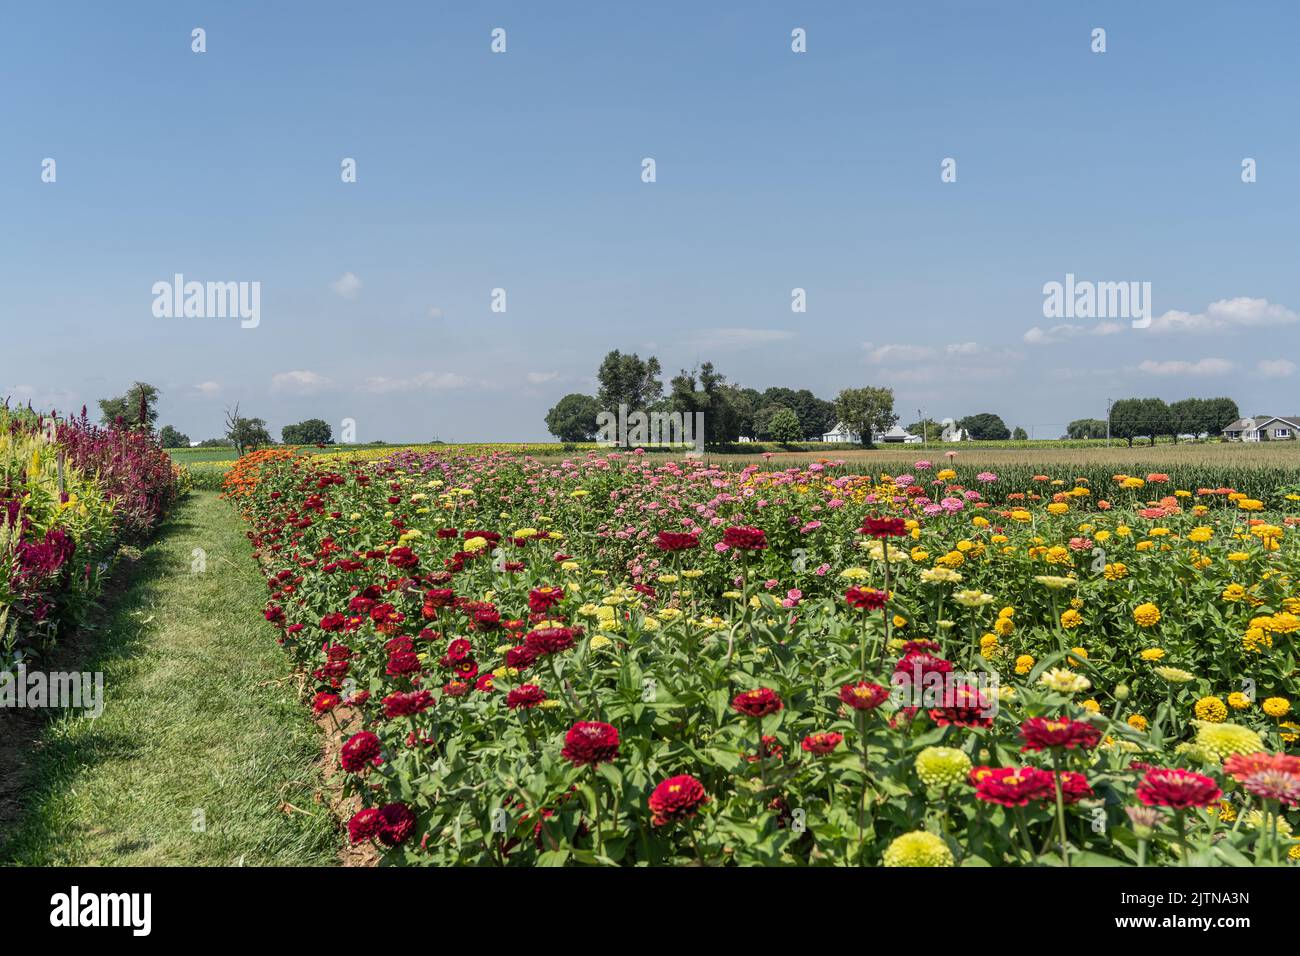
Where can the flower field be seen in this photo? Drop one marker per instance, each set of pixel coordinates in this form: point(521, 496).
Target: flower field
point(613, 659)
point(70, 494)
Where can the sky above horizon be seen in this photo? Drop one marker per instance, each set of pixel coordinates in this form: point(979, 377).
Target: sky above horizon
point(522, 171)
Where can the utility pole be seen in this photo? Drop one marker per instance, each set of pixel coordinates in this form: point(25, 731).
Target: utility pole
point(1109, 403)
point(920, 417)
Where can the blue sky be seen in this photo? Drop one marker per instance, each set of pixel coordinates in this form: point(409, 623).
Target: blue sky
point(522, 171)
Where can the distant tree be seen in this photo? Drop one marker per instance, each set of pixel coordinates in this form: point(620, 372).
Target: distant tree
point(169, 437)
point(1127, 419)
point(1018, 434)
point(926, 428)
point(1187, 417)
point(628, 380)
point(818, 420)
point(704, 389)
point(1217, 414)
point(1155, 418)
point(313, 431)
point(785, 427)
point(573, 418)
point(865, 410)
point(138, 408)
point(763, 420)
point(744, 403)
point(246, 434)
point(1086, 428)
point(216, 443)
point(740, 405)
point(816, 415)
point(985, 426)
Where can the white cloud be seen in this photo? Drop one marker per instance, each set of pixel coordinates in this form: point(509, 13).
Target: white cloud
point(1205, 366)
point(1275, 368)
point(299, 382)
point(878, 354)
point(736, 339)
point(1239, 313)
point(541, 378)
point(425, 381)
point(347, 285)
point(208, 388)
point(966, 348)
point(435, 313)
point(1061, 333)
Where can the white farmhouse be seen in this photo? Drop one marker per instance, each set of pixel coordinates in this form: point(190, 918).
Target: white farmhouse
point(1264, 428)
point(895, 435)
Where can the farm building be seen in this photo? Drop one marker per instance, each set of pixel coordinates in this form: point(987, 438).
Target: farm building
point(1264, 428)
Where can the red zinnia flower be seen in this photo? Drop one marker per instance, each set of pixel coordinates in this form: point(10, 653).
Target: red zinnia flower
point(964, 706)
point(863, 695)
point(526, 696)
point(550, 640)
point(770, 750)
point(407, 705)
point(1177, 788)
point(821, 743)
point(399, 821)
point(403, 558)
point(439, 597)
point(677, 798)
point(521, 657)
point(744, 538)
point(884, 527)
point(458, 650)
point(360, 751)
point(865, 598)
point(543, 599)
point(365, 825)
point(914, 667)
point(676, 541)
point(758, 702)
point(324, 702)
point(590, 742)
point(403, 662)
point(1012, 786)
point(1074, 787)
point(1040, 733)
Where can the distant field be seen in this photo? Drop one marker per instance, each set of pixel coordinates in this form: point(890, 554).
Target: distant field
point(1265, 470)
point(1263, 454)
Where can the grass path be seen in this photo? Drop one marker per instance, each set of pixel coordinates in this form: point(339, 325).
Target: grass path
point(203, 749)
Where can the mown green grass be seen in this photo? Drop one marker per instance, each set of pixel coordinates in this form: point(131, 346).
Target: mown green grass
point(200, 714)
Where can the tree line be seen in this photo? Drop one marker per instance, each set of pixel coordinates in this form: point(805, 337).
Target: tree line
point(137, 407)
point(1152, 418)
point(786, 416)
point(733, 411)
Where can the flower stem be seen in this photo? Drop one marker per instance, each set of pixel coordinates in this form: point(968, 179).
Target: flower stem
point(1060, 806)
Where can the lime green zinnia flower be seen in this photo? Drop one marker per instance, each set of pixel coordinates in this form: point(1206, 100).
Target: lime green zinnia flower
point(918, 849)
point(1224, 740)
point(942, 766)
